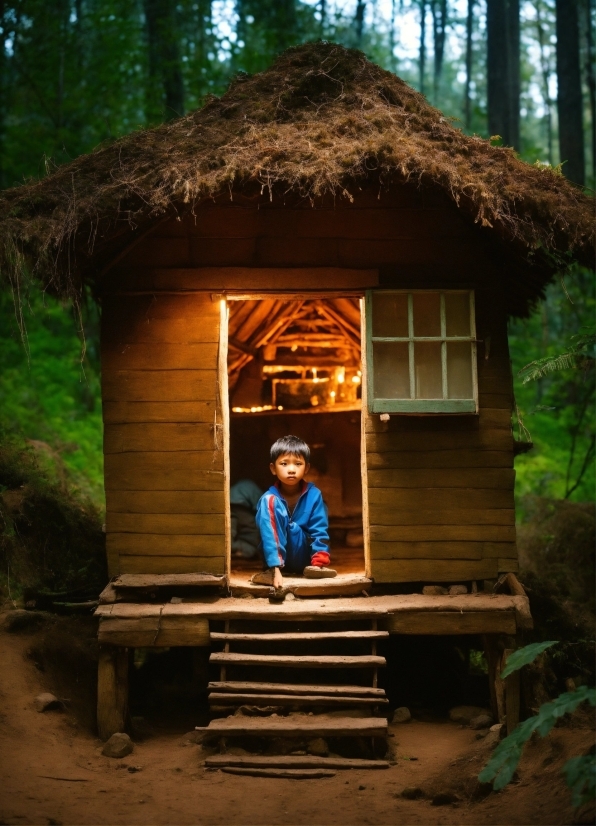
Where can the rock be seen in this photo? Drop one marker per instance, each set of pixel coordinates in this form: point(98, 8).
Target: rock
point(192, 738)
point(482, 721)
point(444, 799)
point(21, 620)
point(119, 745)
point(434, 591)
point(480, 735)
point(500, 728)
point(46, 701)
point(290, 596)
point(457, 590)
point(412, 793)
point(493, 738)
point(318, 747)
point(465, 714)
point(401, 715)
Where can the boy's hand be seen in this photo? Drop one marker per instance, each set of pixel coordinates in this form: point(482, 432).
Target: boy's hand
point(277, 579)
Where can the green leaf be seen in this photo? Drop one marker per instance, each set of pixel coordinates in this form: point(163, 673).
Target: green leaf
point(503, 763)
point(500, 768)
point(549, 713)
point(525, 656)
point(580, 775)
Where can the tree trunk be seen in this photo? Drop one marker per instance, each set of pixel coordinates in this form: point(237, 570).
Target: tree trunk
point(591, 79)
point(503, 69)
point(439, 13)
point(469, 56)
point(165, 98)
point(569, 94)
point(285, 24)
point(3, 91)
point(359, 21)
point(545, 70)
point(392, 37)
point(422, 57)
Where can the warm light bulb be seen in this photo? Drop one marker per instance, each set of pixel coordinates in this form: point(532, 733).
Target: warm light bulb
point(356, 379)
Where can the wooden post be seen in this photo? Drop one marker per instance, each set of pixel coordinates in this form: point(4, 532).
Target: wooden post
point(222, 670)
point(112, 690)
point(512, 694)
point(374, 653)
point(495, 683)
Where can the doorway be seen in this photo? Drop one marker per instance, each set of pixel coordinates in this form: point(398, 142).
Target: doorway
point(294, 367)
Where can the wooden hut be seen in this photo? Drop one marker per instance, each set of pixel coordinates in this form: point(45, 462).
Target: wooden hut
point(317, 252)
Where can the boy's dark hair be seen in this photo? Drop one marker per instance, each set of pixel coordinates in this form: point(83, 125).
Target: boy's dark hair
point(292, 445)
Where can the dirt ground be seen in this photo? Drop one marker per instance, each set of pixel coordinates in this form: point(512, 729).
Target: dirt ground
point(52, 771)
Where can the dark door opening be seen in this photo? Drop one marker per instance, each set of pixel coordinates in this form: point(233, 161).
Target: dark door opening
point(294, 367)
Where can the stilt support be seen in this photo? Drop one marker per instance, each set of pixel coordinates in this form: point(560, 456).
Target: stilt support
point(112, 690)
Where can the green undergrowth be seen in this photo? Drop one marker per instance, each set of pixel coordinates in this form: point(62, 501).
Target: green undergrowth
point(51, 536)
point(49, 387)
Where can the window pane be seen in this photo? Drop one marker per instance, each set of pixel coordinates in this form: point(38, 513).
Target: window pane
point(427, 314)
point(457, 311)
point(390, 314)
point(459, 370)
point(427, 356)
point(391, 374)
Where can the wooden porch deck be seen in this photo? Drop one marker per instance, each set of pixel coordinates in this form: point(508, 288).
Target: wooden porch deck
point(187, 623)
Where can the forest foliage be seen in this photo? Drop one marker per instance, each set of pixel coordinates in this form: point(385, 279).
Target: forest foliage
point(77, 73)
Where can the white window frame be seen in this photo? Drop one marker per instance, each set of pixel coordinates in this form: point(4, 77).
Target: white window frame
point(414, 405)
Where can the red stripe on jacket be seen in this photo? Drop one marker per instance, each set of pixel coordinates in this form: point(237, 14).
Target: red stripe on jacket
point(274, 528)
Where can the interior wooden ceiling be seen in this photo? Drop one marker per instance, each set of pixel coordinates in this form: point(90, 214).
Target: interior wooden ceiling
point(310, 326)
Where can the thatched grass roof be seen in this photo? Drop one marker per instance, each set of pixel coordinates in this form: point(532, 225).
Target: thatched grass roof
point(322, 119)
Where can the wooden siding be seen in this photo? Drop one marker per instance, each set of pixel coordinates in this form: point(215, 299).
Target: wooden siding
point(163, 443)
point(440, 488)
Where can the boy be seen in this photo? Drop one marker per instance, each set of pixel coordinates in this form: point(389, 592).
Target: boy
point(292, 518)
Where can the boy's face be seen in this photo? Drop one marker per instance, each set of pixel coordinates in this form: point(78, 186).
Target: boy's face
point(289, 469)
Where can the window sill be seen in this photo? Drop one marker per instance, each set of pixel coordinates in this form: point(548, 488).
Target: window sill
point(423, 406)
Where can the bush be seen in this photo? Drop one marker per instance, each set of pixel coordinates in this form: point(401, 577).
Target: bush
point(51, 535)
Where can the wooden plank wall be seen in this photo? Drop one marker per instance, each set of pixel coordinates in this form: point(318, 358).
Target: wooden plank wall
point(162, 434)
point(440, 488)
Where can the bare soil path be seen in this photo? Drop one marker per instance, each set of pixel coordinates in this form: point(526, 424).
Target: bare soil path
point(52, 772)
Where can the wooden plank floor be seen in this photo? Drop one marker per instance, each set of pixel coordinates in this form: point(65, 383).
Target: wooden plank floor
point(343, 559)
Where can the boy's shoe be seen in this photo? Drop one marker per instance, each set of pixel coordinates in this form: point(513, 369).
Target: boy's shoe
point(262, 578)
point(318, 572)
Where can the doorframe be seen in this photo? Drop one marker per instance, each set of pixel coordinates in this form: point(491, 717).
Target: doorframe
point(224, 400)
point(363, 453)
point(224, 408)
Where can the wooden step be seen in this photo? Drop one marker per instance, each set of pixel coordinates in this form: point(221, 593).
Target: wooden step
point(287, 661)
point(318, 725)
point(224, 699)
point(217, 636)
point(291, 761)
point(144, 581)
point(282, 774)
point(242, 687)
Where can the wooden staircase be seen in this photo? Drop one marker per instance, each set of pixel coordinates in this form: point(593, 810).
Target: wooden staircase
point(275, 710)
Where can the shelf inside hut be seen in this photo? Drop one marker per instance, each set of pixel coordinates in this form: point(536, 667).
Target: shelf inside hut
point(294, 367)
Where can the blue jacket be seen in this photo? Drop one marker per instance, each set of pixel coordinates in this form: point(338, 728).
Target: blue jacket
point(296, 537)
